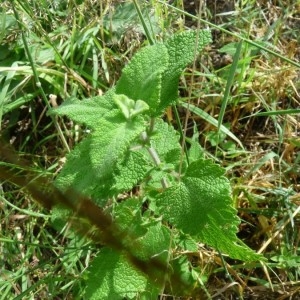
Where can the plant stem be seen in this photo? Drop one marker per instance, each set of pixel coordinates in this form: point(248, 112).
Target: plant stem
point(152, 152)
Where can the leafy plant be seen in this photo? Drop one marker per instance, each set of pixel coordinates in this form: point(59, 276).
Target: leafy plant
point(131, 147)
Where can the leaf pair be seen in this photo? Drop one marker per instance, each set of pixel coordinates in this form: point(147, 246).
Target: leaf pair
point(153, 73)
point(129, 107)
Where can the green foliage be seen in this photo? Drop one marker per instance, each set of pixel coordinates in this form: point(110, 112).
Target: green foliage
point(200, 205)
point(112, 277)
point(242, 114)
point(181, 49)
point(128, 147)
point(142, 78)
point(91, 165)
point(154, 72)
point(129, 107)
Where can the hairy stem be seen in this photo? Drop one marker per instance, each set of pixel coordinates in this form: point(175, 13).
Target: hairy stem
point(152, 152)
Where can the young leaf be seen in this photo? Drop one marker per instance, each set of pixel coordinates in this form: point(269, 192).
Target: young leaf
point(153, 73)
point(139, 107)
point(200, 205)
point(129, 107)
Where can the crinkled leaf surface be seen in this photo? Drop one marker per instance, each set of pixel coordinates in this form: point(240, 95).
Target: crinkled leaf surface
point(200, 205)
point(127, 215)
point(156, 243)
point(90, 166)
point(182, 49)
point(165, 141)
point(141, 78)
point(130, 171)
point(111, 276)
point(154, 70)
point(153, 73)
point(88, 111)
point(137, 162)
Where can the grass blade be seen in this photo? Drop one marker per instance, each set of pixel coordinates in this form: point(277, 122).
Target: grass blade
point(255, 44)
point(205, 116)
point(229, 84)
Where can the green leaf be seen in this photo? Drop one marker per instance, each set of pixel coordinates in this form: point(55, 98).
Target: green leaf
point(182, 50)
point(111, 276)
point(200, 205)
point(129, 107)
point(153, 73)
point(187, 243)
point(88, 111)
point(139, 107)
point(91, 164)
point(141, 78)
point(137, 162)
point(156, 243)
point(165, 141)
point(129, 218)
point(132, 169)
point(181, 265)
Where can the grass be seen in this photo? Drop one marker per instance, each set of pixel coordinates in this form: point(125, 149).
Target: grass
point(243, 107)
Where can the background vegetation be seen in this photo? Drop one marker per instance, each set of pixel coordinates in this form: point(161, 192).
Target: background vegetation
point(241, 99)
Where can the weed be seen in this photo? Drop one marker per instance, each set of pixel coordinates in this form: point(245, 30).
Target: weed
point(241, 111)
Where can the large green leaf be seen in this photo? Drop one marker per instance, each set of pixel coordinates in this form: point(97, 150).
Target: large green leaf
point(91, 164)
point(153, 73)
point(182, 50)
point(141, 78)
point(200, 205)
point(111, 276)
point(131, 170)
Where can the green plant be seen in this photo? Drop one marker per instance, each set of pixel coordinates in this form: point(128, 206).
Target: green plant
point(171, 202)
